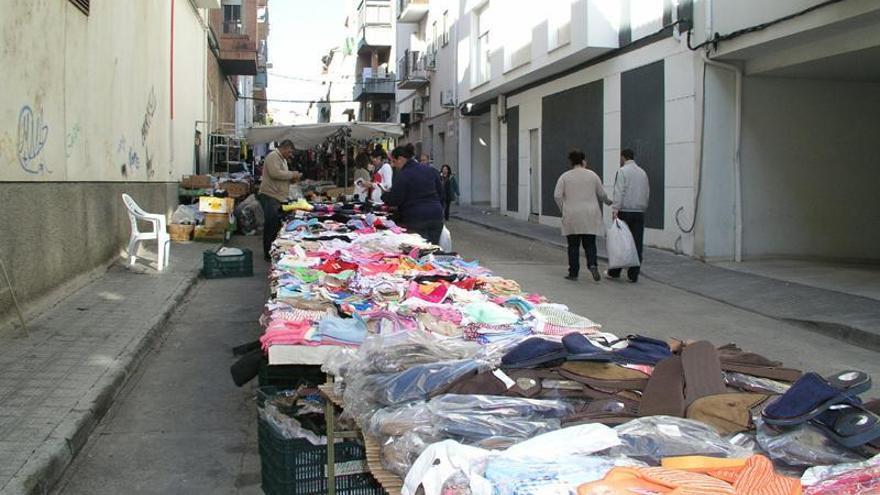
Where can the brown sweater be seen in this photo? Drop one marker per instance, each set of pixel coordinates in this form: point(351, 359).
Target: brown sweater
point(276, 177)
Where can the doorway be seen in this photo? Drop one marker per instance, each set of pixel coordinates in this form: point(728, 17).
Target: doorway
point(534, 175)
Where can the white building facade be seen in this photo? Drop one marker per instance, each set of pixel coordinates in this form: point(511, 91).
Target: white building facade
point(733, 133)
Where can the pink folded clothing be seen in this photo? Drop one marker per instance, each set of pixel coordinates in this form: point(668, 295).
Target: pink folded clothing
point(283, 332)
point(545, 328)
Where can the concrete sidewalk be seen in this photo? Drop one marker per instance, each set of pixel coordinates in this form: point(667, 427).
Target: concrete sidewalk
point(850, 318)
point(57, 382)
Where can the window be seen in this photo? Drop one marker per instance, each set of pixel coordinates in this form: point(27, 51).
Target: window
point(445, 34)
point(483, 54)
point(232, 22)
point(378, 14)
point(434, 39)
point(82, 5)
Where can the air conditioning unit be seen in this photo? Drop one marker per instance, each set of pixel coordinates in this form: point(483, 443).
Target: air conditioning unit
point(447, 99)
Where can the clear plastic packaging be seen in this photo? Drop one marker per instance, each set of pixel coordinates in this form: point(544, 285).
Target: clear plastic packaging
point(802, 446)
point(288, 427)
point(339, 360)
point(400, 452)
point(417, 382)
point(754, 383)
point(818, 474)
point(652, 438)
point(396, 421)
point(494, 422)
point(520, 476)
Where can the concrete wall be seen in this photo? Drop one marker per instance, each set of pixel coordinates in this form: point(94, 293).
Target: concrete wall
point(480, 186)
point(716, 236)
point(809, 171)
point(86, 114)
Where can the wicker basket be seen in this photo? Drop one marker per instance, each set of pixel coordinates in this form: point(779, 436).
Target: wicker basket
point(180, 232)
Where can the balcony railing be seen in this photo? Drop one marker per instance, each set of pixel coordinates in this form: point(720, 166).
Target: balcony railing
point(412, 70)
point(233, 26)
point(374, 86)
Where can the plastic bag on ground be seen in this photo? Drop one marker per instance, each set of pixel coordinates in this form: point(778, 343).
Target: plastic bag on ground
point(446, 240)
point(185, 215)
point(652, 438)
point(620, 245)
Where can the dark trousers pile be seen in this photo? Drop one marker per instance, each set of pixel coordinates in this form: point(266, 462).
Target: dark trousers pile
point(272, 221)
point(574, 252)
point(636, 223)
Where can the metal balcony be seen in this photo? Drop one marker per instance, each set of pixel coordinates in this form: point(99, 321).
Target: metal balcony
point(411, 10)
point(412, 71)
point(238, 55)
point(366, 88)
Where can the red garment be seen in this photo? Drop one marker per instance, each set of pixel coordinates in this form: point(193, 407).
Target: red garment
point(467, 283)
point(335, 265)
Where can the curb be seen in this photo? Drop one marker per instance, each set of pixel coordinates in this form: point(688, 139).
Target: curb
point(845, 333)
point(48, 463)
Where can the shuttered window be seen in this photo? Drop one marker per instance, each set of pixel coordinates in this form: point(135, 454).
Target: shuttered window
point(82, 5)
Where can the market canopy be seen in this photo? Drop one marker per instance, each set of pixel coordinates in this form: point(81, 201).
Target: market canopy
point(308, 135)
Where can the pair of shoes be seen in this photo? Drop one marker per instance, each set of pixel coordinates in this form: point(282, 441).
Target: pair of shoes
point(571, 277)
point(595, 272)
point(609, 275)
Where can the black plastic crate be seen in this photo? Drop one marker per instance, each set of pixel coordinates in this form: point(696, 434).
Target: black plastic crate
point(214, 266)
point(296, 467)
point(290, 376)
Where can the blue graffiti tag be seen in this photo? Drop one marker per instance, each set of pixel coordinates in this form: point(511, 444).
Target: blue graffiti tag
point(72, 138)
point(32, 137)
point(134, 161)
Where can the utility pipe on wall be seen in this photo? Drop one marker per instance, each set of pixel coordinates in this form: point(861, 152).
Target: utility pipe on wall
point(737, 169)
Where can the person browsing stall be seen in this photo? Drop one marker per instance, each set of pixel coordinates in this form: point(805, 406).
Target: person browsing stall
point(274, 190)
point(417, 193)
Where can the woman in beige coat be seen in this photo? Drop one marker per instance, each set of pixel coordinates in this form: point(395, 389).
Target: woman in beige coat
point(577, 194)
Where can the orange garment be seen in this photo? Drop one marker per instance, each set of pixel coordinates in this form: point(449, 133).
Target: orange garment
point(752, 476)
point(630, 481)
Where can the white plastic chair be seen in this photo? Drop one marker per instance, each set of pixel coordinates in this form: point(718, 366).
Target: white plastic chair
point(159, 232)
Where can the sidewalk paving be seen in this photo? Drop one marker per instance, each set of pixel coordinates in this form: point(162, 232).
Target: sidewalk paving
point(57, 382)
point(850, 318)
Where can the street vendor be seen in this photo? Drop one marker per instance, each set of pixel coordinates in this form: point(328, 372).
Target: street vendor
point(274, 190)
point(417, 192)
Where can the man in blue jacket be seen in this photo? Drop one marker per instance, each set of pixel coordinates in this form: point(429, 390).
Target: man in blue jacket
point(417, 192)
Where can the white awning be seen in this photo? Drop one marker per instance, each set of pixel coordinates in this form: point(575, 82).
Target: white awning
point(308, 135)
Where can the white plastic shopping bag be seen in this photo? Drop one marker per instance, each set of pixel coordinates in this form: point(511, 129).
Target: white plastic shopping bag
point(446, 240)
point(621, 246)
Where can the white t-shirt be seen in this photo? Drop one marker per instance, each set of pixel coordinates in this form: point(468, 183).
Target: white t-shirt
point(386, 174)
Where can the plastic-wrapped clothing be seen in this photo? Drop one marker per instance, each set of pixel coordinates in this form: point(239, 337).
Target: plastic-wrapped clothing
point(803, 446)
point(575, 440)
point(652, 438)
point(547, 476)
point(817, 474)
point(442, 460)
point(417, 382)
point(858, 478)
point(499, 407)
point(488, 431)
point(400, 452)
point(398, 420)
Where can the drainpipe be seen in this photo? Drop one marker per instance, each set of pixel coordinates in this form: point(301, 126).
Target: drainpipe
point(737, 169)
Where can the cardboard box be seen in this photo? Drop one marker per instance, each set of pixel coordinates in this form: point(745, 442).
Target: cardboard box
point(204, 234)
point(236, 189)
point(210, 204)
point(196, 182)
point(217, 221)
point(180, 233)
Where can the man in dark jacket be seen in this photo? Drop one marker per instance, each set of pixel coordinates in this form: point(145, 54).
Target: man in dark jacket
point(417, 192)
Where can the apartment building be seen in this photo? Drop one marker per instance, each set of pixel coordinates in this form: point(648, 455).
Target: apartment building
point(427, 77)
point(740, 112)
point(338, 76)
point(374, 85)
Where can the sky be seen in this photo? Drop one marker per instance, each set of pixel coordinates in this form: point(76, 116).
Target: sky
point(300, 33)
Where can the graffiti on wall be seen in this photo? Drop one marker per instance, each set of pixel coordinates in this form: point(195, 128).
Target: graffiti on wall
point(33, 132)
point(71, 140)
point(148, 116)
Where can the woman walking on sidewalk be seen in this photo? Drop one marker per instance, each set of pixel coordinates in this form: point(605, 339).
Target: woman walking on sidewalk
point(450, 189)
point(577, 194)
